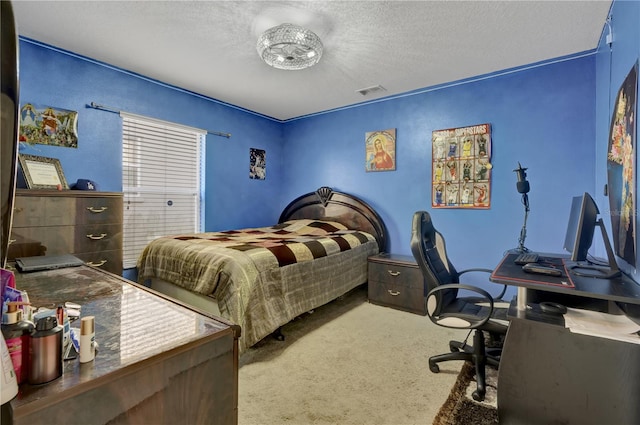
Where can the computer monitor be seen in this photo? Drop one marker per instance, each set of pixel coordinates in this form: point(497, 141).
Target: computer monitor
point(581, 227)
point(583, 220)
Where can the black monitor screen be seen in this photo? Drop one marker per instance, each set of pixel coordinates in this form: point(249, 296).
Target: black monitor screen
point(581, 227)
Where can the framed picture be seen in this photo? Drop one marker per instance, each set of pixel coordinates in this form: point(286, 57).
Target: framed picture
point(47, 125)
point(257, 164)
point(380, 148)
point(42, 173)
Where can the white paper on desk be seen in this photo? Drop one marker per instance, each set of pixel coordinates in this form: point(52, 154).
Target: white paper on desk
point(604, 325)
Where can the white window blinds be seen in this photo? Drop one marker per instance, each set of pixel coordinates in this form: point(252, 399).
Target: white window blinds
point(161, 181)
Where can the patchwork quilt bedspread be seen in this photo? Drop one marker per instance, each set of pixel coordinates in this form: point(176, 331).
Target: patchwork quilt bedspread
point(263, 277)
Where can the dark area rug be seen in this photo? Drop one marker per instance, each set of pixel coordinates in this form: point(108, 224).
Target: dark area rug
point(461, 409)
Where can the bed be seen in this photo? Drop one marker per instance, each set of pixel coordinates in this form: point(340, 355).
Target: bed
point(262, 278)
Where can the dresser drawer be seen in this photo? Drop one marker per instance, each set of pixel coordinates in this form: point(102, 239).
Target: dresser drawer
point(55, 240)
point(43, 211)
point(86, 224)
point(46, 240)
point(98, 237)
point(110, 261)
point(99, 210)
point(396, 281)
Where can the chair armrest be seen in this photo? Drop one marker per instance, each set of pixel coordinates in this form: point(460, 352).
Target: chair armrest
point(504, 287)
point(459, 286)
point(476, 270)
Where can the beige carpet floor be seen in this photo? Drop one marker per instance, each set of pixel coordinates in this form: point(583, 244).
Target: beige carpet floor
point(348, 362)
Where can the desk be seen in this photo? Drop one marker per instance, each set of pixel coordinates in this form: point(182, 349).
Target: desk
point(549, 375)
point(158, 362)
point(586, 290)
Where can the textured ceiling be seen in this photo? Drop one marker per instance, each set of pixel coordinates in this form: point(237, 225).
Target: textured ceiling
point(209, 47)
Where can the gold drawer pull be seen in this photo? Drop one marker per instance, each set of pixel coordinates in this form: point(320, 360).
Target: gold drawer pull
point(97, 238)
point(101, 263)
point(393, 293)
point(97, 210)
point(392, 273)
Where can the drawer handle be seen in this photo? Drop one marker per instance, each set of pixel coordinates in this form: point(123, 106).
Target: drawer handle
point(101, 263)
point(392, 273)
point(393, 293)
point(97, 210)
point(97, 238)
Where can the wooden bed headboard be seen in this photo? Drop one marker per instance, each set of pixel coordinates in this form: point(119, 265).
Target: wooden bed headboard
point(349, 210)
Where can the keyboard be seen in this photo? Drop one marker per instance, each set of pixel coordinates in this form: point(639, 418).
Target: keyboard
point(526, 258)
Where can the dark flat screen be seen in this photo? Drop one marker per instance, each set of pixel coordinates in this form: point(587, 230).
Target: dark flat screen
point(581, 227)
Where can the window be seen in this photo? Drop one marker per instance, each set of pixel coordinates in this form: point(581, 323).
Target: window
point(161, 181)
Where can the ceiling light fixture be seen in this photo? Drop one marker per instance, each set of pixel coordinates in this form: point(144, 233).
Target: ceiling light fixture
point(290, 47)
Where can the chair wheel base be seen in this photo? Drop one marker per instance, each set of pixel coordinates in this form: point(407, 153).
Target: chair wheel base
point(433, 367)
point(477, 395)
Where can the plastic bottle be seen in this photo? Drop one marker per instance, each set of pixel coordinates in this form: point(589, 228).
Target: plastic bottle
point(16, 334)
point(9, 385)
point(87, 339)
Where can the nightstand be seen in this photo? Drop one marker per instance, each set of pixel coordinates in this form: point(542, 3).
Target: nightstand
point(396, 281)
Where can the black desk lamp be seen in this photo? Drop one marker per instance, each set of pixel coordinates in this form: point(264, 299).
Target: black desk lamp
point(523, 187)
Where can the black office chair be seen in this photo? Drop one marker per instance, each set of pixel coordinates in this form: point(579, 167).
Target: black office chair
point(446, 308)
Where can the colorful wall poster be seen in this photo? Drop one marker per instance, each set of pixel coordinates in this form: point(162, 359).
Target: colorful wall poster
point(461, 167)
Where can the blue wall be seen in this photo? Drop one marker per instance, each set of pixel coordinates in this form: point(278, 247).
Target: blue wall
point(552, 117)
point(56, 78)
point(542, 116)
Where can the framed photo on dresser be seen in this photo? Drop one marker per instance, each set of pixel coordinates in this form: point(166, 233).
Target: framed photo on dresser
point(42, 173)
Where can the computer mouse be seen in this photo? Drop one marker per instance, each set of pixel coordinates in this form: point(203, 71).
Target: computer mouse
point(553, 308)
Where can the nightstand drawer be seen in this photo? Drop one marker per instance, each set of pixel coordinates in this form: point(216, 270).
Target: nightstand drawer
point(409, 276)
point(396, 281)
point(397, 296)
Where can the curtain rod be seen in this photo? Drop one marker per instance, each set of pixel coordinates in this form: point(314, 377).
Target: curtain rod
point(115, 111)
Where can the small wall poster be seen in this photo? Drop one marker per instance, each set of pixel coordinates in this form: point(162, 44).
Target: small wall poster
point(461, 167)
point(380, 149)
point(46, 125)
point(257, 164)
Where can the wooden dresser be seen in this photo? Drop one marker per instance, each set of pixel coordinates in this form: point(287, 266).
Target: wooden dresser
point(84, 223)
point(396, 281)
point(158, 361)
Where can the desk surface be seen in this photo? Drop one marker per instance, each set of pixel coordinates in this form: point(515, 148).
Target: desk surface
point(621, 289)
point(151, 351)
